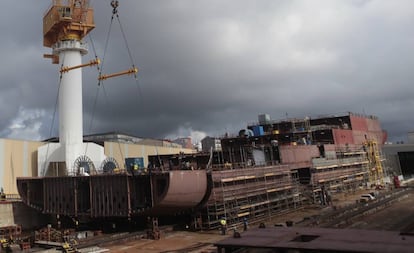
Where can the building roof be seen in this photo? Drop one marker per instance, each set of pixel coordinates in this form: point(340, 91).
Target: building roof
point(102, 137)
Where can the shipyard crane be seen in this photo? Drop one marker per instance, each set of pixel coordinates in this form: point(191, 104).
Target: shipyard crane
point(89, 195)
point(65, 25)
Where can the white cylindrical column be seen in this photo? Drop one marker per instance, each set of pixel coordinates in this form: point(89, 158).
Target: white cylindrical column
point(70, 101)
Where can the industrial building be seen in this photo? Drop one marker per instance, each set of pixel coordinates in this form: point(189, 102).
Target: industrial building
point(185, 142)
point(399, 159)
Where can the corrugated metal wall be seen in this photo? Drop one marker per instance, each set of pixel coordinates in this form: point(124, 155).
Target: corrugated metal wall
point(17, 159)
point(6, 214)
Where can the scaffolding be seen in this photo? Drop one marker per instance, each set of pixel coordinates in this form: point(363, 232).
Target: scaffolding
point(345, 171)
point(253, 193)
point(376, 172)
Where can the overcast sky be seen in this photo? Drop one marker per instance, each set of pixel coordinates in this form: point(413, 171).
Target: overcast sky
point(210, 67)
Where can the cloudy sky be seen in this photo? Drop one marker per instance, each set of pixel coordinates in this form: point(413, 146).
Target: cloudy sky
point(210, 67)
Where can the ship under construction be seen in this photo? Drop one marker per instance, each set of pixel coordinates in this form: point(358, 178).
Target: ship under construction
point(276, 166)
point(268, 168)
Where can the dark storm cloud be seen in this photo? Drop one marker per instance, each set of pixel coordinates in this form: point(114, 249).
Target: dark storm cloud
point(213, 66)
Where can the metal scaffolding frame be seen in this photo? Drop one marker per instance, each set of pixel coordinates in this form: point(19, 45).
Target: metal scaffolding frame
point(253, 193)
point(344, 172)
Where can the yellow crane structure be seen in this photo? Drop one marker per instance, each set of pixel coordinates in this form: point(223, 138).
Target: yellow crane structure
point(66, 20)
point(72, 20)
point(376, 172)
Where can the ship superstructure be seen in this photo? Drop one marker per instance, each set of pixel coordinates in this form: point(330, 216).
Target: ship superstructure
point(332, 153)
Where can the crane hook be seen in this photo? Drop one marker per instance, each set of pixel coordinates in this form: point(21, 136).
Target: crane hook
point(114, 5)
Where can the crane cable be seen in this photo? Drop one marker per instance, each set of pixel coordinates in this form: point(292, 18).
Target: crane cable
point(100, 67)
point(115, 5)
point(100, 82)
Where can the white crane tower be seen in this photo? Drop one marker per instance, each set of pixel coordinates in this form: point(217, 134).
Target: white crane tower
point(65, 24)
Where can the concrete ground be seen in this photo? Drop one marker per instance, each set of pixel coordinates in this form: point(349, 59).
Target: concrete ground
point(394, 217)
point(202, 242)
point(181, 241)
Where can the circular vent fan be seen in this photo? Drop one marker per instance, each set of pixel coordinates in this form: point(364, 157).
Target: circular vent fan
point(109, 165)
point(84, 165)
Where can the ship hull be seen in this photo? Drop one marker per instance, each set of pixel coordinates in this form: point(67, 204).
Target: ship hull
point(117, 195)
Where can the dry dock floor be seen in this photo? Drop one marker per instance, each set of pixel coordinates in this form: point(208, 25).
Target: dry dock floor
point(393, 217)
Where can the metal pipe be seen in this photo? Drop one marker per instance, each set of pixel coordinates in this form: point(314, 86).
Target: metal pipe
point(126, 72)
point(91, 63)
